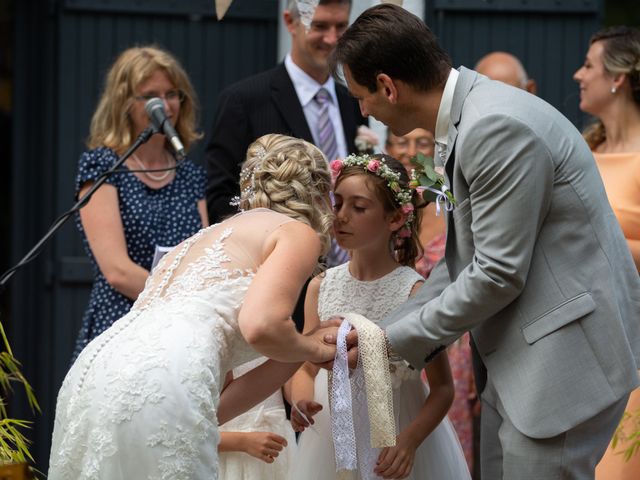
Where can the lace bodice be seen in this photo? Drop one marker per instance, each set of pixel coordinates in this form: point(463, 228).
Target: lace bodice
point(341, 293)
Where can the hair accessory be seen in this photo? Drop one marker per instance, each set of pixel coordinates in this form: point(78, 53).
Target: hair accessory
point(613, 89)
point(377, 166)
point(431, 184)
point(248, 176)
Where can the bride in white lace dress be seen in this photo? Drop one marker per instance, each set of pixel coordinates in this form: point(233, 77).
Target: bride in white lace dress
point(143, 400)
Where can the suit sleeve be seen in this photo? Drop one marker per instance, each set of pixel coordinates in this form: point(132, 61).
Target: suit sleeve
point(509, 171)
point(224, 155)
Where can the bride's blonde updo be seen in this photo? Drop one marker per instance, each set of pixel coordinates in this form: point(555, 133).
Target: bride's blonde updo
point(289, 176)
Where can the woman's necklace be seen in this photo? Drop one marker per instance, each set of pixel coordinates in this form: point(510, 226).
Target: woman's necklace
point(156, 178)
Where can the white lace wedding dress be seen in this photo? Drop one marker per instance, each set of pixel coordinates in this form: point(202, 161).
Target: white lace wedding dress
point(440, 456)
point(140, 401)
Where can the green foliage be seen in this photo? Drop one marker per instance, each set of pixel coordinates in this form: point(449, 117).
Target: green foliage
point(426, 176)
point(14, 446)
point(626, 438)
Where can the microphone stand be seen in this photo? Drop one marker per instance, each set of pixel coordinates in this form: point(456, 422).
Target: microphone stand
point(32, 254)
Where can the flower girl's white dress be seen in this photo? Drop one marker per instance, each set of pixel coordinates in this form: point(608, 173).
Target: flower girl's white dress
point(268, 416)
point(140, 401)
point(440, 456)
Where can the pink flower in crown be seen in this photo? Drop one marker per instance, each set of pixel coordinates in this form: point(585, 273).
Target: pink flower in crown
point(404, 232)
point(373, 165)
point(407, 208)
point(336, 167)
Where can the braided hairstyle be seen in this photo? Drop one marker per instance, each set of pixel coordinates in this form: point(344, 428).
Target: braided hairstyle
point(289, 176)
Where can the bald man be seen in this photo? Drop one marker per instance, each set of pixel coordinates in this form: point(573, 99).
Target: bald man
point(506, 68)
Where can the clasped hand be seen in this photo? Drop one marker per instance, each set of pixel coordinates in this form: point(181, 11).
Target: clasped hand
point(330, 338)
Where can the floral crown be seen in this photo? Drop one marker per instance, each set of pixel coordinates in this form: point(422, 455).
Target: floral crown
point(378, 167)
point(424, 180)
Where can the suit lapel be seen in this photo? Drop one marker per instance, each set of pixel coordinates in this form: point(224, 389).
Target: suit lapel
point(286, 101)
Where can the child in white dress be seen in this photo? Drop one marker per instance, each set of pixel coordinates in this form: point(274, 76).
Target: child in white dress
point(259, 444)
point(377, 221)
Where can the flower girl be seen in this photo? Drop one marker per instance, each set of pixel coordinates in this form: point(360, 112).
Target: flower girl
point(378, 222)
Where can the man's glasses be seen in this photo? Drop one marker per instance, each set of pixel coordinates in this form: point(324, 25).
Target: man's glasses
point(172, 96)
point(419, 143)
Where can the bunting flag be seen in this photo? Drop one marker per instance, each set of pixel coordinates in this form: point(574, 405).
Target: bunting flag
point(221, 8)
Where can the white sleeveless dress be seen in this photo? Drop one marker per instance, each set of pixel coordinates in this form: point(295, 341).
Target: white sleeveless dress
point(140, 401)
point(440, 456)
point(268, 416)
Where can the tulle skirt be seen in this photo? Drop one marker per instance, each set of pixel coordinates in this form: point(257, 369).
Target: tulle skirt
point(440, 456)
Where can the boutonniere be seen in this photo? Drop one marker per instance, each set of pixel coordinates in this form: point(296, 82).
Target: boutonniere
point(430, 183)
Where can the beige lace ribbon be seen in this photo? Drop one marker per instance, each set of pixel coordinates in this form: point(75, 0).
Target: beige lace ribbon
point(349, 424)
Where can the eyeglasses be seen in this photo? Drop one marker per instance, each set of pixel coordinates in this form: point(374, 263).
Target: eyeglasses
point(172, 96)
point(419, 143)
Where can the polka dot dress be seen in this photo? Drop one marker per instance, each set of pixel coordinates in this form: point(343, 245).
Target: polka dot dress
point(150, 217)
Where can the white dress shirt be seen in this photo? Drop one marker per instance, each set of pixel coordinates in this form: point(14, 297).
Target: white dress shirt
point(444, 115)
point(306, 88)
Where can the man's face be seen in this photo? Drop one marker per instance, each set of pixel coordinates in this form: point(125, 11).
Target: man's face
point(377, 104)
point(310, 50)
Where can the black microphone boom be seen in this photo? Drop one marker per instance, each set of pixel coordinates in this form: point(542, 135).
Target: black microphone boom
point(160, 122)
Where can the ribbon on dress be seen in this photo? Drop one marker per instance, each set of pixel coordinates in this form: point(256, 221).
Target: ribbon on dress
point(362, 418)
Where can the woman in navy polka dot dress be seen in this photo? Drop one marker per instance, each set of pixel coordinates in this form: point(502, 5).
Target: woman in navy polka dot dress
point(134, 212)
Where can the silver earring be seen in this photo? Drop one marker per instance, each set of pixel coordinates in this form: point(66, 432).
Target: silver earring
point(613, 90)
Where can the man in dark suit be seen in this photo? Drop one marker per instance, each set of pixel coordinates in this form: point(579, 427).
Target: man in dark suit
point(282, 100)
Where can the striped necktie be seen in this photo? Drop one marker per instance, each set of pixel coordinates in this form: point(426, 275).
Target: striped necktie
point(326, 135)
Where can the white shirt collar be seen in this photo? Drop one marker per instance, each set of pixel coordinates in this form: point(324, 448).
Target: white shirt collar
point(444, 112)
point(305, 86)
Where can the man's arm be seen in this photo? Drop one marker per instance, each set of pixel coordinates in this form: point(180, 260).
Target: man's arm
point(225, 153)
point(510, 176)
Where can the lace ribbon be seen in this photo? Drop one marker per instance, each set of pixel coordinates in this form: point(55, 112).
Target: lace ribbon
point(441, 198)
point(361, 423)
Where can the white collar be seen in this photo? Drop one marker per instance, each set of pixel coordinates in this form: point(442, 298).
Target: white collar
point(305, 86)
point(444, 112)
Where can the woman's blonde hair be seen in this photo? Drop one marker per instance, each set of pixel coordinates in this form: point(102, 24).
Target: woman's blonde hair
point(620, 55)
point(111, 125)
point(289, 176)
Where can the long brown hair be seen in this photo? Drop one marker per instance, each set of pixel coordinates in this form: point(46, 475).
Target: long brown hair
point(406, 250)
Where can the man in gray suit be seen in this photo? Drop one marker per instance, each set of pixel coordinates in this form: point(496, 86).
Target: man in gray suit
point(536, 266)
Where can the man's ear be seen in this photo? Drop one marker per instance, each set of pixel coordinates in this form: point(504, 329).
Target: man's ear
point(531, 86)
point(290, 21)
point(388, 86)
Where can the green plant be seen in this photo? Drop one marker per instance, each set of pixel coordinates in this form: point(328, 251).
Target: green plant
point(627, 435)
point(14, 446)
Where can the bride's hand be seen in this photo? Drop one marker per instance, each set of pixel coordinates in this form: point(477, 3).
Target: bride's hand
point(324, 352)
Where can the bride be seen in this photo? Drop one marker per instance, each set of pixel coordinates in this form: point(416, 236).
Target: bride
point(145, 398)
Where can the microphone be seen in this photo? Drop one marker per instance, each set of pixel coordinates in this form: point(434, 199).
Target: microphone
point(161, 124)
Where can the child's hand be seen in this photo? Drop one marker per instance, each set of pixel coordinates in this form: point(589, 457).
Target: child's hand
point(265, 446)
point(396, 462)
point(308, 408)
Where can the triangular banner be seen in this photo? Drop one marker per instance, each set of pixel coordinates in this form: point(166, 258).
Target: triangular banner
point(221, 7)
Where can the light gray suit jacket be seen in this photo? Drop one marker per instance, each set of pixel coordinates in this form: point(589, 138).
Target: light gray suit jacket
point(536, 265)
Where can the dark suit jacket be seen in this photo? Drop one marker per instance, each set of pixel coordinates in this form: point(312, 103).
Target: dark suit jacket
point(258, 105)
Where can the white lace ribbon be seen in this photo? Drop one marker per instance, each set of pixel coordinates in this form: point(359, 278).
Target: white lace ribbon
point(361, 423)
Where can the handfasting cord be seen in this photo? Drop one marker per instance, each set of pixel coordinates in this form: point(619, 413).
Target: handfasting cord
point(372, 372)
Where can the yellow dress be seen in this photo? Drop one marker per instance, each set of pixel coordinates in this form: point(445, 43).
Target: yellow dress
point(621, 176)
